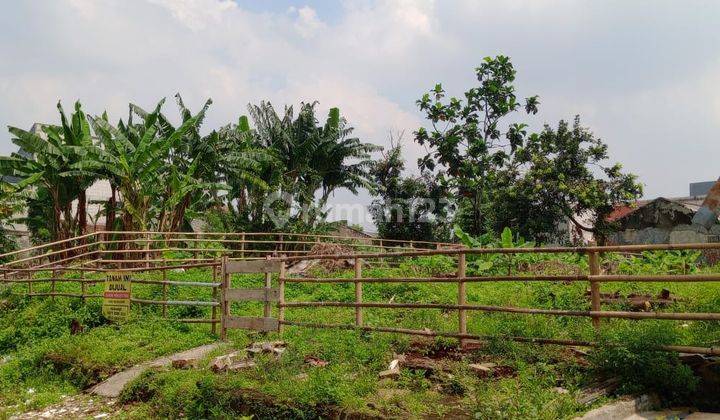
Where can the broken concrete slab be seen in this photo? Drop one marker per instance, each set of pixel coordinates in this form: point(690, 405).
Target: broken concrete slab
point(223, 362)
point(389, 374)
point(393, 370)
point(241, 365)
point(481, 369)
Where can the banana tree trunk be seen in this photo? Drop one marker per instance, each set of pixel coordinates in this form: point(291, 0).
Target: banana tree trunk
point(110, 218)
point(82, 213)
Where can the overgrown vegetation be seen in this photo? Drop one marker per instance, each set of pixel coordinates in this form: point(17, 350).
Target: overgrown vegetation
point(41, 353)
point(278, 174)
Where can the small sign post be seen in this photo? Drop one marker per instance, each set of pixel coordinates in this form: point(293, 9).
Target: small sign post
point(116, 298)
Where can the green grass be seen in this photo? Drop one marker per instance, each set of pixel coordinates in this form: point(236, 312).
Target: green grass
point(43, 356)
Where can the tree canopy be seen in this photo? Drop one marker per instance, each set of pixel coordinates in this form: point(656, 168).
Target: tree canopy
point(162, 176)
point(505, 177)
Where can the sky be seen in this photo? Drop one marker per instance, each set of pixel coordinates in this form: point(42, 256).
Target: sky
point(644, 75)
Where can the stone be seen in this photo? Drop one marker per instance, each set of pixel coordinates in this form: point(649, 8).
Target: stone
point(393, 370)
point(315, 362)
point(222, 363)
point(240, 365)
point(275, 347)
point(184, 363)
point(560, 390)
point(424, 363)
point(390, 374)
point(481, 369)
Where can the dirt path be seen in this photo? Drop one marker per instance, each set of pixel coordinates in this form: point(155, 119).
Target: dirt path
point(115, 384)
point(101, 400)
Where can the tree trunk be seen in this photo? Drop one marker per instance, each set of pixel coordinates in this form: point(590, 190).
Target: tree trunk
point(82, 213)
point(179, 214)
point(110, 217)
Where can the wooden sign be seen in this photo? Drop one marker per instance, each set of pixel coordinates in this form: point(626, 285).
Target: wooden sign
point(116, 297)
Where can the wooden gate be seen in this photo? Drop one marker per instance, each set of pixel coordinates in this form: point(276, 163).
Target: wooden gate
point(267, 294)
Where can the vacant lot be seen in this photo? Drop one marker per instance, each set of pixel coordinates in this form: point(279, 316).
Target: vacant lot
point(42, 362)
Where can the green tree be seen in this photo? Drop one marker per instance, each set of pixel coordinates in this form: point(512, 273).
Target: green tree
point(406, 207)
point(133, 156)
point(298, 161)
point(507, 178)
point(468, 142)
point(44, 161)
point(557, 175)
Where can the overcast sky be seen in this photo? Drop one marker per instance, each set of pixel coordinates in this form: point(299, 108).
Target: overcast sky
point(644, 75)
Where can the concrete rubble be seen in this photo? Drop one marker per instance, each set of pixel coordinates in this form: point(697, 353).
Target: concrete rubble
point(240, 359)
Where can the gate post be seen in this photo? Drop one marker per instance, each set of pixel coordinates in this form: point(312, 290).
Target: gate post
point(223, 300)
point(213, 311)
point(268, 284)
point(281, 297)
point(594, 263)
point(358, 292)
point(462, 295)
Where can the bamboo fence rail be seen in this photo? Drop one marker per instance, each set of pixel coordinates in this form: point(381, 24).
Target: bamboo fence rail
point(594, 277)
point(159, 252)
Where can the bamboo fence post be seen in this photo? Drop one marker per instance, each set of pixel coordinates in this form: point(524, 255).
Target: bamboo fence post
point(165, 293)
point(29, 276)
point(213, 311)
point(280, 244)
point(224, 304)
point(358, 292)
point(196, 246)
point(281, 297)
point(242, 246)
point(594, 263)
point(52, 284)
point(268, 284)
point(462, 295)
point(83, 287)
point(147, 250)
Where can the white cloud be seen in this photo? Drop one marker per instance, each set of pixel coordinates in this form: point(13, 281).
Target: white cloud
point(197, 14)
point(308, 23)
point(373, 60)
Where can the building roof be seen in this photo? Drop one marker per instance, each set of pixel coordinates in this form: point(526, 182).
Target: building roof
point(660, 212)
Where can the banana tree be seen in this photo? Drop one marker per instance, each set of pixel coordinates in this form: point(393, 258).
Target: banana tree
point(133, 156)
point(309, 158)
point(45, 159)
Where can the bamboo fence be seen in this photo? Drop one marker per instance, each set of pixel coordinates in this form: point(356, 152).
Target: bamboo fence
point(156, 253)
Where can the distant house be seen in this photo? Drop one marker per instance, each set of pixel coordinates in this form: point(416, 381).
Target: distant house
point(662, 220)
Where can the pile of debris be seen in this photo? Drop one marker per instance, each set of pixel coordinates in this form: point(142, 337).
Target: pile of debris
point(638, 301)
point(242, 359)
point(435, 366)
point(330, 265)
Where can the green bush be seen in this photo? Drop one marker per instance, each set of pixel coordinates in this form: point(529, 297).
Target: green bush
point(632, 354)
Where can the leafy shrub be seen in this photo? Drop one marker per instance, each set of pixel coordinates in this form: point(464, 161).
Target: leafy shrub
point(660, 262)
point(632, 354)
